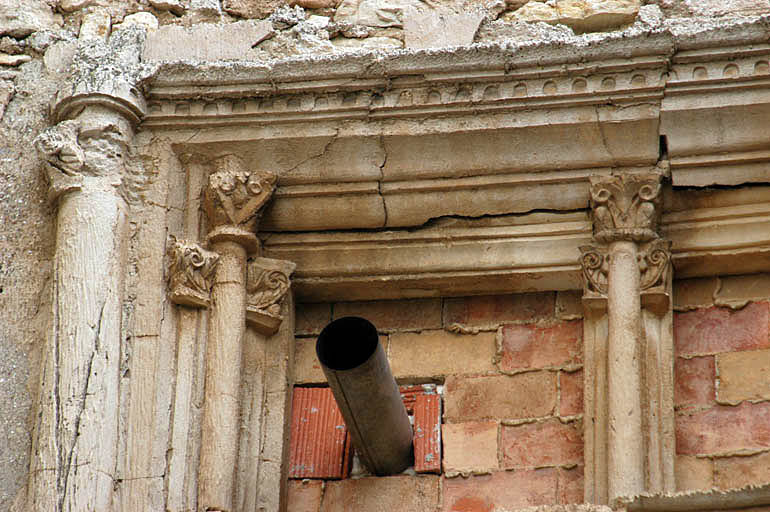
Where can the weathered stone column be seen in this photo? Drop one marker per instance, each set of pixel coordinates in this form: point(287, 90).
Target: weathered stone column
point(232, 201)
point(629, 359)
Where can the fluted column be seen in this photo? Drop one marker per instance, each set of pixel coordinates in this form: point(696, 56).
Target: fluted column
point(232, 202)
point(627, 340)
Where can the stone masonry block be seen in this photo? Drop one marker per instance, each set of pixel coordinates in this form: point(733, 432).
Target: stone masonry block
point(530, 346)
point(724, 429)
point(691, 294)
point(394, 315)
point(693, 473)
point(305, 495)
point(571, 484)
point(571, 393)
point(307, 368)
point(744, 375)
point(526, 395)
point(382, 494)
point(547, 443)
point(694, 381)
point(438, 353)
point(569, 305)
point(735, 472)
point(206, 41)
point(311, 318)
point(493, 310)
point(507, 490)
point(736, 291)
point(470, 446)
point(713, 330)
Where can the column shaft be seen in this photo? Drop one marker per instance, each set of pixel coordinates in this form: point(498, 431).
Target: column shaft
point(626, 450)
point(221, 415)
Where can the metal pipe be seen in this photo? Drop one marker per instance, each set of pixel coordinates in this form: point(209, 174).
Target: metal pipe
point(360, 378)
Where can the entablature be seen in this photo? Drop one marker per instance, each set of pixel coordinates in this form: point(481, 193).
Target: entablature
point(420, 173)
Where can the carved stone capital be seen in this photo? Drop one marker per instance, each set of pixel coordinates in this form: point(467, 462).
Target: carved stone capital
point(653, 258)
point(190, 271)
point(626, 207)
point(266, 285)
point(233, 200)
point(91, 148)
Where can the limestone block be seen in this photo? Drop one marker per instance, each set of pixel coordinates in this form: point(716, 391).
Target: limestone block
point(142, 19)
point(73, 5)
point(251, 8)
point(374, 13)
point(470, 446)
point(449, 353)
point(58, 57)
point(19, 18)
point(174, 6)
point(581, 15)
point(95, 25)
point(206, 41)
point(13, 60)
point(432, 29)
point(744, 375)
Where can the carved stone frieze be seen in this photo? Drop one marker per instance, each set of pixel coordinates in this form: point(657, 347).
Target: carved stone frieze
point(190, 271)
point(266, 286)
point(626, 207)
point(233, 200)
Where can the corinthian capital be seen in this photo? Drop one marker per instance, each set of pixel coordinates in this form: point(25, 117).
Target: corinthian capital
point(234, 198)
point(626, 207)
point(190, 270)
point(266, 286)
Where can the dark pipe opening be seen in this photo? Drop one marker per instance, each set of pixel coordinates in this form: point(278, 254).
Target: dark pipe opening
point(346, 343)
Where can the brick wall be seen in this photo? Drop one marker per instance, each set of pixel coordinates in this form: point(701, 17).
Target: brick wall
point(722, 373)
point(511, 366)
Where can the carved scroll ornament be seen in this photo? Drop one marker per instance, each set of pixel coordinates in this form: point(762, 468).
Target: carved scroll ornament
point(266, 286)
point(625, 207)
point(190, 271)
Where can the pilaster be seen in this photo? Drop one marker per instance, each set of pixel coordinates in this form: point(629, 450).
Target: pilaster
point(628, 341)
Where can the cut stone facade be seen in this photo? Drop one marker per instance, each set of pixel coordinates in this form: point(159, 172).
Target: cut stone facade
point(556, 214)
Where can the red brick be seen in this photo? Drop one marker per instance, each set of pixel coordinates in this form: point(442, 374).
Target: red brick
point(713, 330)
point(382, 494)
point(530, 346)
point(571, 396)
point(305, 495)
point(394, 315)
point(490, 310)
point(427, 434)
point(470, 446)
point(503, 489)
point(547, 443)
point(694, 381)
point(526, 395)
point(724, 429)
point(311, 318)
point(571, 487)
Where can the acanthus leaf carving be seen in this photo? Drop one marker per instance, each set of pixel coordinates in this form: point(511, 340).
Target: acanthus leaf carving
point(191, 268)
point(234, 198)
point(626, 207)
point(266, 285)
